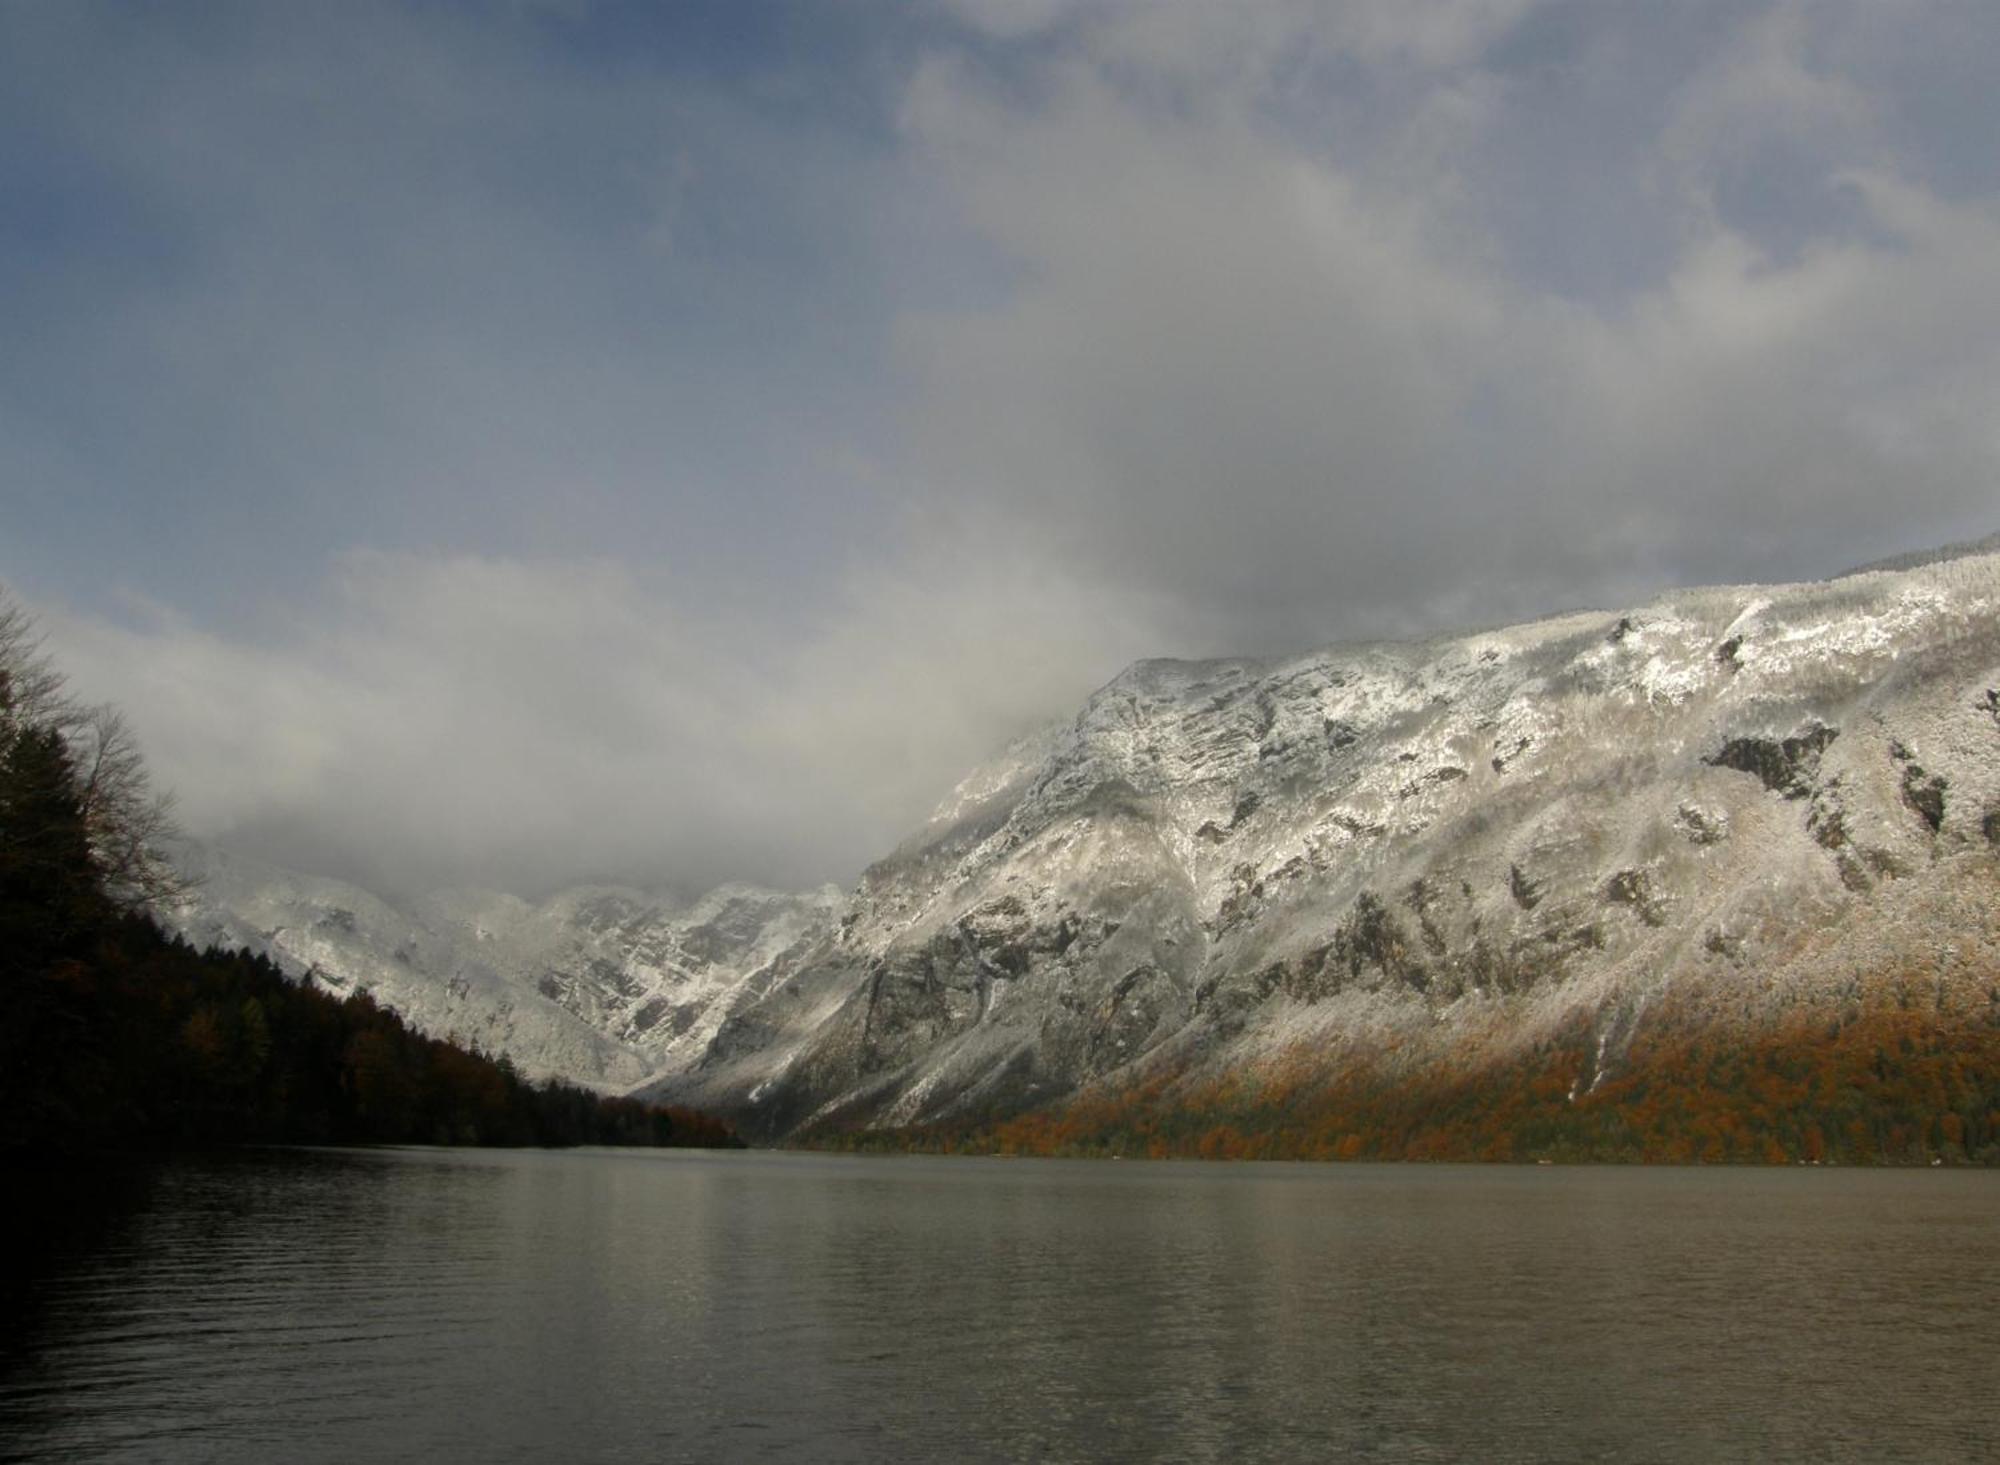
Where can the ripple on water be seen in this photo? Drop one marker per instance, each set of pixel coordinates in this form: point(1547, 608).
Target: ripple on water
point(451, 1305)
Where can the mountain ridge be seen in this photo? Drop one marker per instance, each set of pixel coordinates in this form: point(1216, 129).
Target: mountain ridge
point(1384, 854)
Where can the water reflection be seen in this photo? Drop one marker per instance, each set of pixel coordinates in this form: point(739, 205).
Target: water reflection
point(450, 1305)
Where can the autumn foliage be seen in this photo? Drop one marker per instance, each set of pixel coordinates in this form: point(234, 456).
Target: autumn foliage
point(1885, 1078)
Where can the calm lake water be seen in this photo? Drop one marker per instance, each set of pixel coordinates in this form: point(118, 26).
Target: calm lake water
point(591, 1305)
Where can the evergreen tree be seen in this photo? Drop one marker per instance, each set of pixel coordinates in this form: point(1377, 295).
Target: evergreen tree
point(112, 1033)
point(50, 904)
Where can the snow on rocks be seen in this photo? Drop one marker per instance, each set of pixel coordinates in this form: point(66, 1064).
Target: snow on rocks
point(1444, 847)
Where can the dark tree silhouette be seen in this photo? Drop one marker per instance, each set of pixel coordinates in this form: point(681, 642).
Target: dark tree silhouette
point(112, 1034)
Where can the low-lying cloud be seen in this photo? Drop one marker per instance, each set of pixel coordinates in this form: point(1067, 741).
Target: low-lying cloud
point(477, 721)
point(698, 495)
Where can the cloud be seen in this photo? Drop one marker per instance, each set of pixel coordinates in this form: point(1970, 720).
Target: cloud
point(674, 444)
point(528, 725)
point(1313, 399)
point(1011, 19)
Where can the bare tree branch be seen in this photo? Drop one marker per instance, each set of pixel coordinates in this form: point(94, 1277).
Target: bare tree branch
point(128, 825)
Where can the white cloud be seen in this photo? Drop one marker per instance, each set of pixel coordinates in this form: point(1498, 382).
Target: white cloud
point(1208, 329)
point(530, 724)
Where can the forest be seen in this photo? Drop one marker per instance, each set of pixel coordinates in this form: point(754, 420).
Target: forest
point(114, 1036)
point(1879, 1080)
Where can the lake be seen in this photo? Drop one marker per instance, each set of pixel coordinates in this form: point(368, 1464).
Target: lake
point(448, 1305)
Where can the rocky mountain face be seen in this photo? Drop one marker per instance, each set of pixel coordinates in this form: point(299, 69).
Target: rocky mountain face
point(1409, 854)
point(1732, 803)
point(601, 985)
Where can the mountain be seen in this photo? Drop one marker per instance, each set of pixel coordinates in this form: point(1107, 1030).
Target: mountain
point(1378, 871)
point(601, 985)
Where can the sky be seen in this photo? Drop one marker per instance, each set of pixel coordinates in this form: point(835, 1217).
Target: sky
point(526, 443)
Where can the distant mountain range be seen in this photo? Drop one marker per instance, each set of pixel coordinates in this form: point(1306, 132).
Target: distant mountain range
point(605, 986)
point(1518, 852)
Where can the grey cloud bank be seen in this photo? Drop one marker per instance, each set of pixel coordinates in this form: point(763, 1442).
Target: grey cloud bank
point(568, 446)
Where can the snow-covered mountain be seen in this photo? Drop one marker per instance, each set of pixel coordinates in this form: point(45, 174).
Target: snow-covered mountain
point(602, 985)
point(1748, 798)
